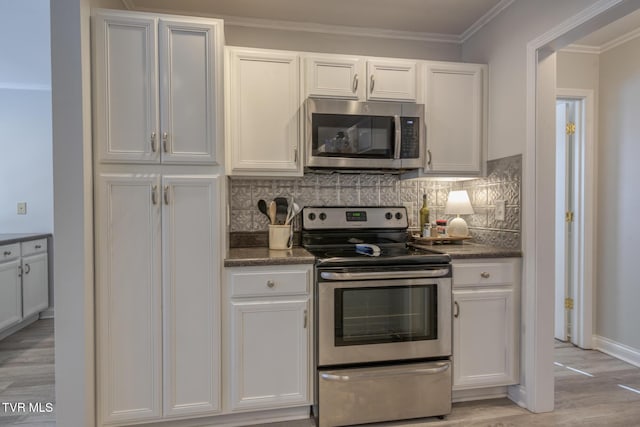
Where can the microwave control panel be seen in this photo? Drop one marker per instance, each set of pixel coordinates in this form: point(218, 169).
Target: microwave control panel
point(410, 137)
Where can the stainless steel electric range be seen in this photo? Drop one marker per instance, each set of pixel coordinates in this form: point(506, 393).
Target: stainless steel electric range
point(383, 318)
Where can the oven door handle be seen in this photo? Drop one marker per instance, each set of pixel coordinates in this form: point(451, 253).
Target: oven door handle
point(390, 373)
point(380, 275)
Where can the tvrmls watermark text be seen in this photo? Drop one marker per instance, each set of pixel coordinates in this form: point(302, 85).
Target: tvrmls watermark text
point(27, 407)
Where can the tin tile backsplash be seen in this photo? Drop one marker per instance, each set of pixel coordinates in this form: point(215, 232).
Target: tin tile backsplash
point(503, 183)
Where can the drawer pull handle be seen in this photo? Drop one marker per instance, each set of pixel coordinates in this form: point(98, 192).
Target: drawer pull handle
point(270, 283)
point(27, 269)
point(305, 319)
point(485, 275)
point(456, 313)
point(38, 246)
point(7, 253)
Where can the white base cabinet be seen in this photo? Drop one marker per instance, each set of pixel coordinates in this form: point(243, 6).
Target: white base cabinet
point(486, 323)
point(157, 274)
point(269, 317)
point(24, 281)
point(10, 292)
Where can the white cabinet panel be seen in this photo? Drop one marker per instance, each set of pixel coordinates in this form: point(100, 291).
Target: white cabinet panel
point(191, 90)
point(126, 88)
point(191, 283)
point(394, 80)
point(145, 67)
point(456, 124)
point(35, 284)
point(10, 295)
point(335, 76)
point(263, 112)
point(270, 353)
point(128, 249)
point(483, 345)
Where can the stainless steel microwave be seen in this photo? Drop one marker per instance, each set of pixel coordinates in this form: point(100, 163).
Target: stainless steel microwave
point(344, 134)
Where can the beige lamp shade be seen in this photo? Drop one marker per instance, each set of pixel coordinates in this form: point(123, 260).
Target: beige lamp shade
point(458, 203)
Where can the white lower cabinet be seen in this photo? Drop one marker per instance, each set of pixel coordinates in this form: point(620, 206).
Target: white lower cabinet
point(269, 333)
point(10, 294)
point(157, 296)
point(486, 323)
point(24, 281)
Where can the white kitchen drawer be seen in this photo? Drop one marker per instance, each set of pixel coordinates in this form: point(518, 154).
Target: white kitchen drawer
point(274, 282)
point(483, 274)
point(34, 247)
point(9, 252)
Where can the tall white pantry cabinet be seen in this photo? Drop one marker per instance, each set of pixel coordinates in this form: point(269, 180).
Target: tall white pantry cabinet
point(158, 182)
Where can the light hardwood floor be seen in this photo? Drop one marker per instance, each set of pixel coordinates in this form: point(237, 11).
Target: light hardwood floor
point(27, 375)
point(590, 390)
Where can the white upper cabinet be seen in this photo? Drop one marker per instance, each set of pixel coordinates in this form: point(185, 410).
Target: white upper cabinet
point(455, 97)
point(158, 88)
point(263, 112)
point(336, 76)
point(392, 80)
point(359, 78)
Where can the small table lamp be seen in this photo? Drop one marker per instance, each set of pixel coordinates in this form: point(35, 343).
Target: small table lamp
point(458, 204)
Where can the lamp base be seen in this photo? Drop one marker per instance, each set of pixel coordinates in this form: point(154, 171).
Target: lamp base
point(458, 228)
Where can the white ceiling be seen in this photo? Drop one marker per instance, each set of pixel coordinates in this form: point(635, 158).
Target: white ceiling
point(449, 19)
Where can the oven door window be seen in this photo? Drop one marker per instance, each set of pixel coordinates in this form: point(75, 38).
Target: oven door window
point(385, 314)
point(345, 135)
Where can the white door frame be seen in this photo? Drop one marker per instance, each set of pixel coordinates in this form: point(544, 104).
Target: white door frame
point(537, 390)
point(585, 214)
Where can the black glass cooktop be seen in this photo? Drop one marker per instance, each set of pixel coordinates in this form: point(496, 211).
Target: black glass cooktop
point(389, 255)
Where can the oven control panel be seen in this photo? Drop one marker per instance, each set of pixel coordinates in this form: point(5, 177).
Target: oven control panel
point(331, 217)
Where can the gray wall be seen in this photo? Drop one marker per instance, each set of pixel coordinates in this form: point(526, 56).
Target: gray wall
point(25, 117)
point(618, 233)
point(336, 43)
point(503, 45)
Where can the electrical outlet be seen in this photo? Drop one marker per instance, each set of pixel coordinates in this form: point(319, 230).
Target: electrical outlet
point(22, 208)
point(500, 210)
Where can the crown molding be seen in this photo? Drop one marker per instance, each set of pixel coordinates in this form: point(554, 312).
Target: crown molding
point(24, 86)
point(310, 27)
point(620, 40)
point(581, 48)
point(485, 19)
point(340, 30)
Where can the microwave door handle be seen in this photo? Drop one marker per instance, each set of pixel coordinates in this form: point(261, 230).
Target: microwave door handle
point(398, 139)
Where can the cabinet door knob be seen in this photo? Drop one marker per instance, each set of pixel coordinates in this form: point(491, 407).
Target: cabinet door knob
point(485, 275)
point(355, 83)
point(153, 142)
point(166, 194)
point(270, 283)
point(304, 325)
point(456, 312)
point(373, 83)
point(27, 268)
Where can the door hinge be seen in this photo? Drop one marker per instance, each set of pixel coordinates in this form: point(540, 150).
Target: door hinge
point(571, 128)
point(568, 303)
point(568, 216)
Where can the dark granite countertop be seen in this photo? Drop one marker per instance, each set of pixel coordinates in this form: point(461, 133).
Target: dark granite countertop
point(468, 250)
point(248, 257)
point(6, 239)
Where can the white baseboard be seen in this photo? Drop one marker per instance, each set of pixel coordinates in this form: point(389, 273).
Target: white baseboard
point(619, 351)
point(48, 313)
point(479, 394)
point(518, 394)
